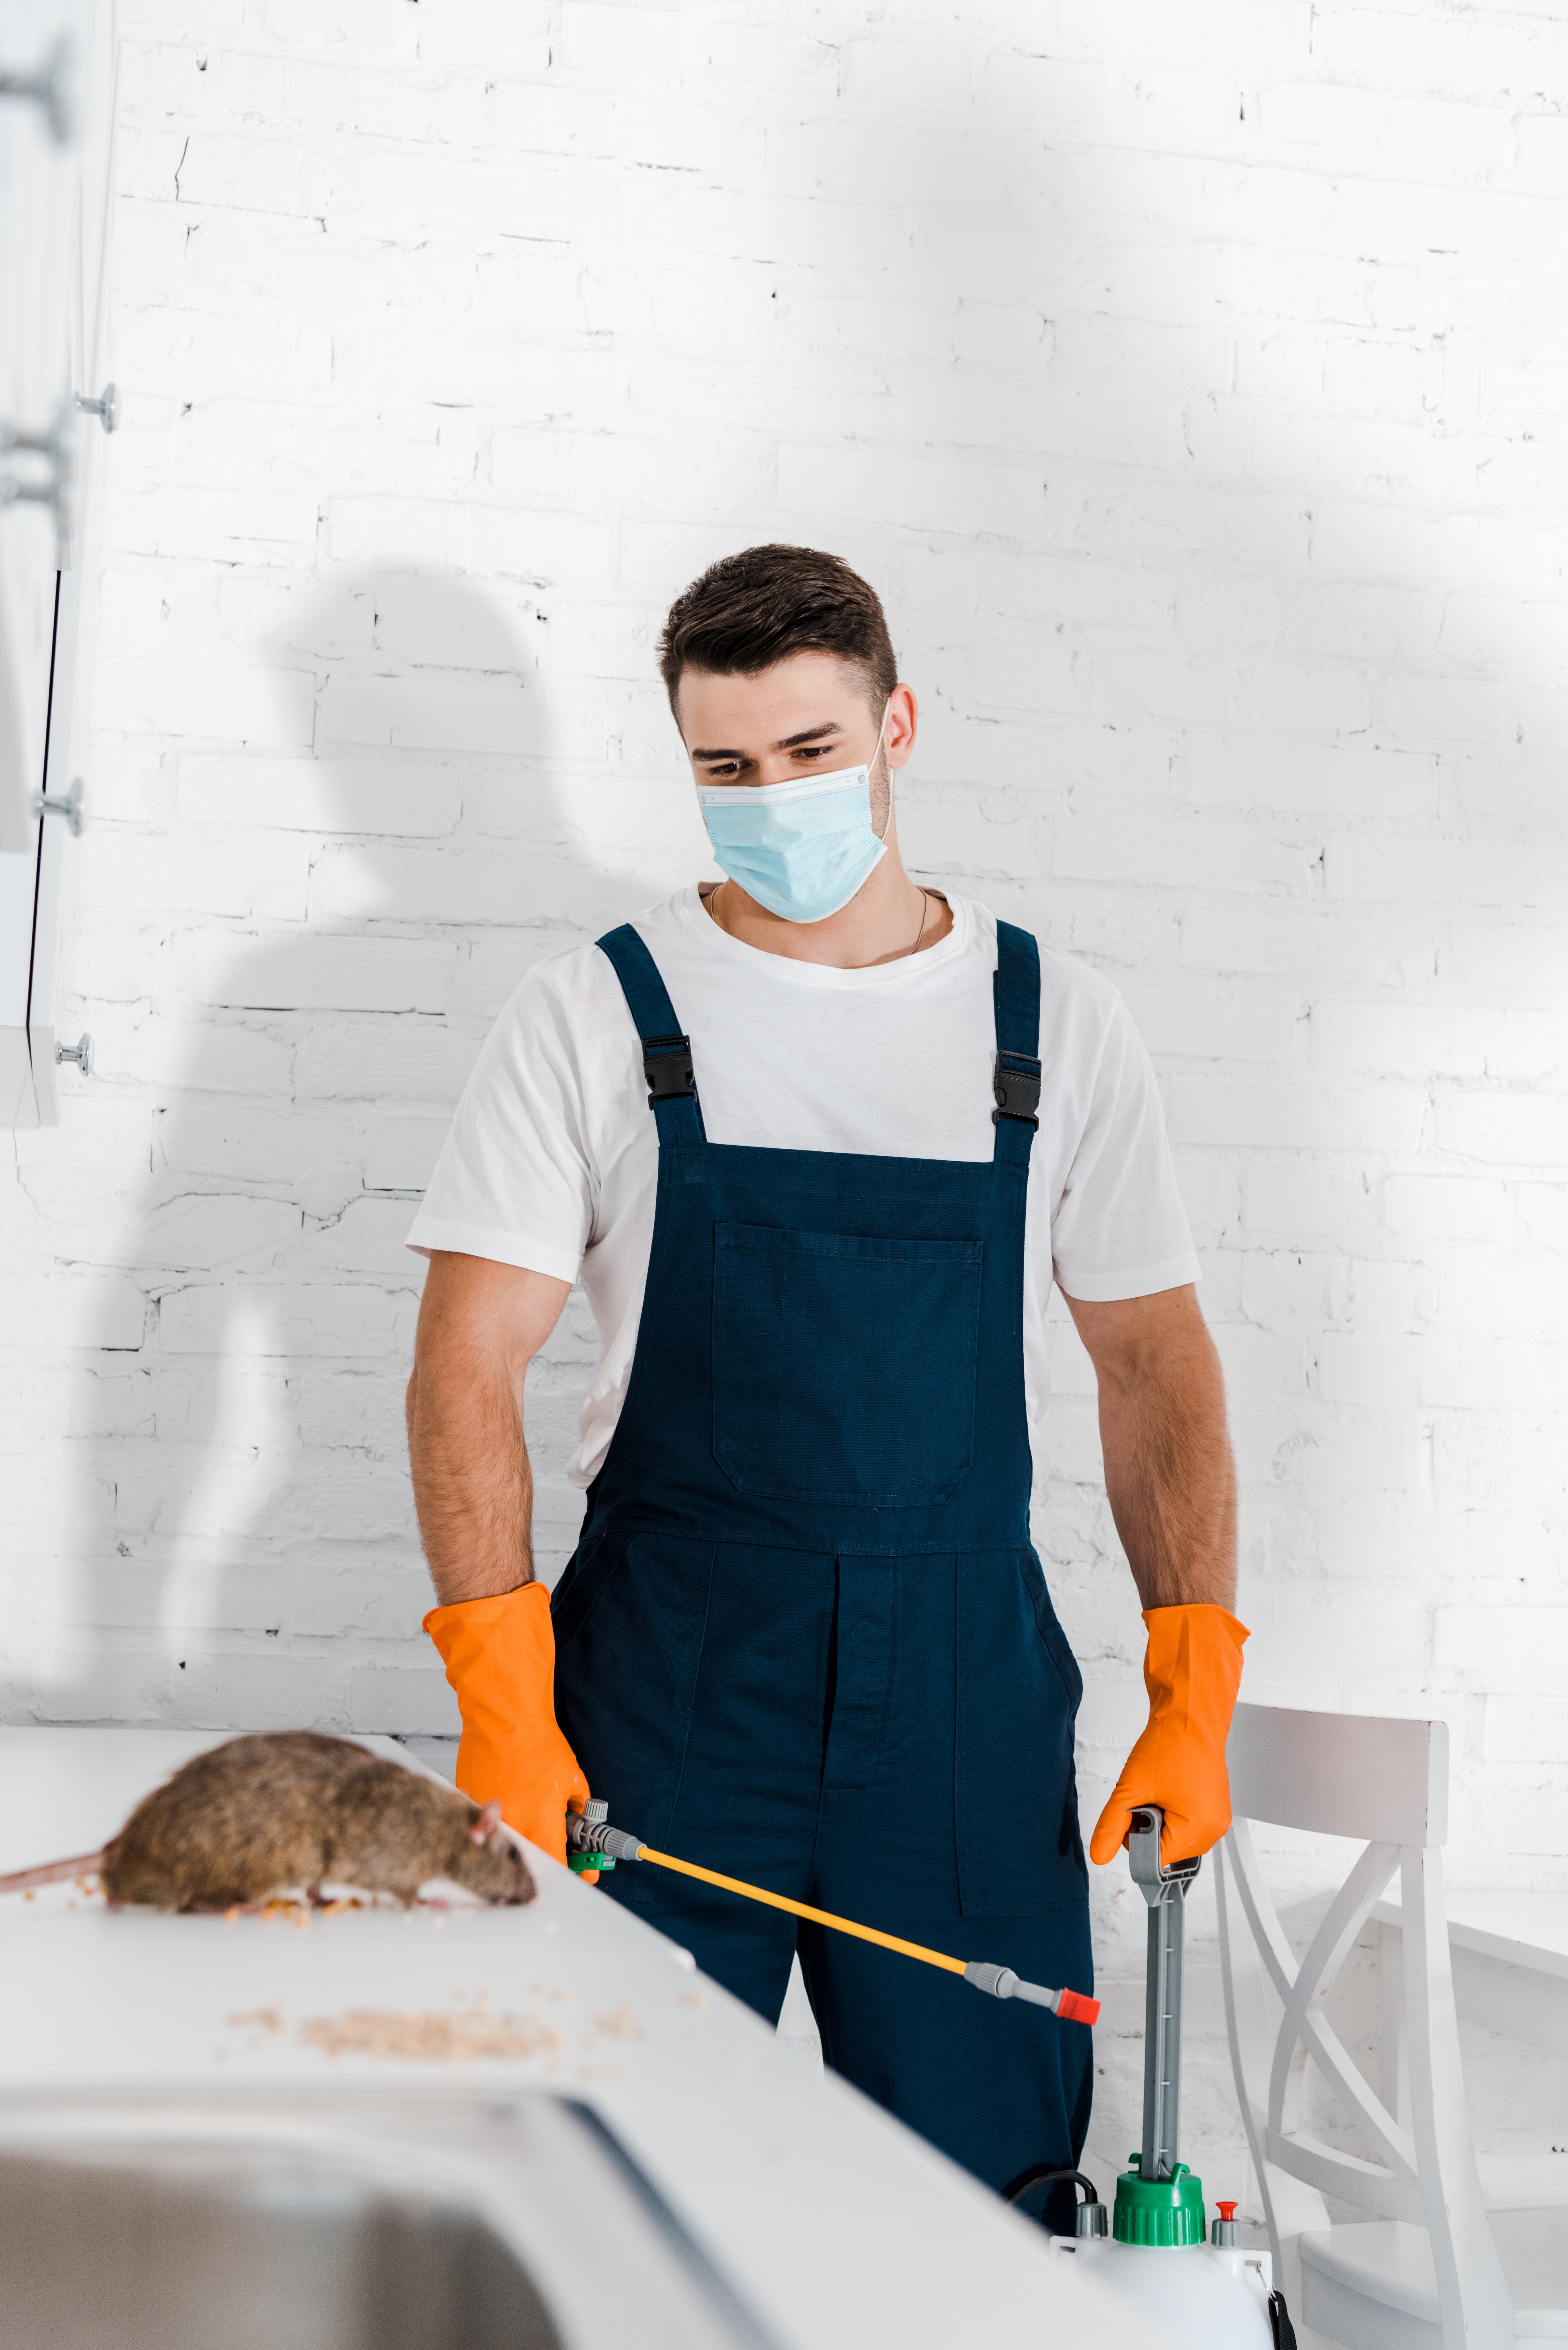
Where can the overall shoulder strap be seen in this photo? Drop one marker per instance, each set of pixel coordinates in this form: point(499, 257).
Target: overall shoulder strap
point(1015, 995)
point(666, 1050)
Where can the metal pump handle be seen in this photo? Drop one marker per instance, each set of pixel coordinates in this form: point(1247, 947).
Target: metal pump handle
point(1165, 1890)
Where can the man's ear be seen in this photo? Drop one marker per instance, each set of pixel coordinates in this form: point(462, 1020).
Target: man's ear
point(911, 718)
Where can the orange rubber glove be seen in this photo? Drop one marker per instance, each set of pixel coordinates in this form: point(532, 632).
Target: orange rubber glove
point(1191, 1669)
point(500, 1657)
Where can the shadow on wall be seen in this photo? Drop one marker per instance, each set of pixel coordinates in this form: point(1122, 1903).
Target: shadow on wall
point(245, 1551)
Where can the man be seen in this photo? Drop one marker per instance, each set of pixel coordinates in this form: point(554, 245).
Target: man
point(817, 1141)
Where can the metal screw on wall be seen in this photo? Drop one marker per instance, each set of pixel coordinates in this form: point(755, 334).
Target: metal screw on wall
point(80, 1053)
point(49, 86)
point(105, 407)
point(72, 806)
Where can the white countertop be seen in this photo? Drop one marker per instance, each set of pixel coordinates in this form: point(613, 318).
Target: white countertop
point(841, 2227)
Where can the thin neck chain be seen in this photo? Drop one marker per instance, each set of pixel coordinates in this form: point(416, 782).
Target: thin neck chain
point(711, 902)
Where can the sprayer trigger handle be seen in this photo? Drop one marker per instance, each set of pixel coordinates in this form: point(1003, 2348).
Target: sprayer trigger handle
point(1149, 1873)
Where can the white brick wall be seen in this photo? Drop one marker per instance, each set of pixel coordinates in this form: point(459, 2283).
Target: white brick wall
point(1193, 384)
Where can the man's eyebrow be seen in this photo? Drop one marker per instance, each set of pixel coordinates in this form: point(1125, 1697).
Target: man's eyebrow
point(812, 735)
point(790, 742)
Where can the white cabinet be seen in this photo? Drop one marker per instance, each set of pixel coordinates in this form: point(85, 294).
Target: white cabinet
point(56, 117)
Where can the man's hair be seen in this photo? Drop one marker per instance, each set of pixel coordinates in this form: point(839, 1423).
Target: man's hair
point(757, 608)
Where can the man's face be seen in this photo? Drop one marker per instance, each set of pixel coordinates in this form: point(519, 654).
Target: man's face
point(812, 712)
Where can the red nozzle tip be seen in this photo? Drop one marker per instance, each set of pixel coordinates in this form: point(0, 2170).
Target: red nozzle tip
point(1226, 2211)
point(1073, 2008)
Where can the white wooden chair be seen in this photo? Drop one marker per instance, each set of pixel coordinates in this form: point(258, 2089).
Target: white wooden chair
point(1424, 2272)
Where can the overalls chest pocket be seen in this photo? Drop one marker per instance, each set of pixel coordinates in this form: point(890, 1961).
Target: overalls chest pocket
point(843, 1366)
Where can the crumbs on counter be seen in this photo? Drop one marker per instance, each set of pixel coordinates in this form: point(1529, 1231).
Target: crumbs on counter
point(455, 2036)
point(269, 1911)
point(261, 2020)
point(295, 1911)
point(621, 2025)
point(696, 1998)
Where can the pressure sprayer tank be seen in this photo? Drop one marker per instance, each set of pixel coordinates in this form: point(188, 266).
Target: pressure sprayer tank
point(1182, 2286)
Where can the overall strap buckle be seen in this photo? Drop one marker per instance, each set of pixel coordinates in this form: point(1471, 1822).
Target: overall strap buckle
point(667, 1066)
point(1017, 1086)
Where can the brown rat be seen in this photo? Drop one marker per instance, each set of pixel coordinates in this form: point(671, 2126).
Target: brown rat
point(293, 1808)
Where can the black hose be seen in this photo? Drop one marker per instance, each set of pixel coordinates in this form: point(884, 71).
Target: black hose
point(1039, 2174)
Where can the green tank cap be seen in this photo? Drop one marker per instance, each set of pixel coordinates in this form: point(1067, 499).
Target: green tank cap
point(1159, 2211)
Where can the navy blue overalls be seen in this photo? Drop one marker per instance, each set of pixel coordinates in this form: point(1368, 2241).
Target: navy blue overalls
point(803, 1638)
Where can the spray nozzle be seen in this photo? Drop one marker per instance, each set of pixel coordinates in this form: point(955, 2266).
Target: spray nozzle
point(1073, 2006)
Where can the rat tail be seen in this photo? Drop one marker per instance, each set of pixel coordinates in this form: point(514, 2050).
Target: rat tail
point(52, 1872)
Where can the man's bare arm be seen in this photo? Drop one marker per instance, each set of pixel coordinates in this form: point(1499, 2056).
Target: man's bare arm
point(1169, 1469)
point(481, 1324)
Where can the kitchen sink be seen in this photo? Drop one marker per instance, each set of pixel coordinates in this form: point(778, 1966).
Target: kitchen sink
point(177, 2247)
point(520, 2226)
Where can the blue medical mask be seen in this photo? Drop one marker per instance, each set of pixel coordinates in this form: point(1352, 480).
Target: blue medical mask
point(803, 847)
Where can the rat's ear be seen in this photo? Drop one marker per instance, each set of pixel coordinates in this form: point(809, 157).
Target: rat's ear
point(485, 1826)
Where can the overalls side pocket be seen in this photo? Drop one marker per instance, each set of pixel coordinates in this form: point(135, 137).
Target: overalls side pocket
point(1015, 1792)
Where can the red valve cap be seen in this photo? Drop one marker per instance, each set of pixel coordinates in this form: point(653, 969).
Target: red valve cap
point(1226, 2211)
point(1073, 2008)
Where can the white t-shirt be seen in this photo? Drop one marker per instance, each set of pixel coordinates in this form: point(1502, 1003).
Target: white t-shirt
point(552, 1156)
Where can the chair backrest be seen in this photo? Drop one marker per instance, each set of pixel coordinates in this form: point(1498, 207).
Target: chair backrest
point(1387, 1780)
point(1349, 1775)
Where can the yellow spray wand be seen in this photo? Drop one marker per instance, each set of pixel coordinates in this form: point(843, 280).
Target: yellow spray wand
point(595, 1845)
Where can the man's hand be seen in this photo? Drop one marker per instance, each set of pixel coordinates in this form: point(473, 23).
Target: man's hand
point(481, 1324)
point(500, 1657)
point(1191, 1671)
point(1172, 1488)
